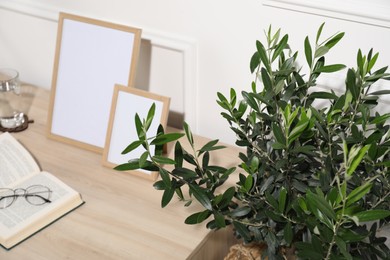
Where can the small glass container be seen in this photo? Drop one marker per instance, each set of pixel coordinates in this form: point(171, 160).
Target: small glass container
point(11, 115)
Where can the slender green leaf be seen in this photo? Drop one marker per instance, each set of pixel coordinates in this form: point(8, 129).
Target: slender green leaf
point(179, 193)
point(164, 174)
point(222, 98)
point(206, 160)
point(271, 200)
point(351, 84)
point(150, 116)
point(274, 216)
point(240, 212)
point(308, 52)
point(227, 173)
point(299, 128)
point(380, 92)
point(348, 100)
point(372, 62)
point(241, 109)
point(282, 199)
point(349, 235)
point(189, 158)
point(372, 215)
point(278, 146)
point(143, 158)
point(167, 196)
point(267, 82)
point(227, 197)
point(358, 193)
point(223, 102)
point(380, 119)
point(302, 203)
point(242, 230)
point(201, 196)
point(166, 138)
point(288, 233)
point(334, 40)
point(248, 183)
point(274, 38)
point(224, 105)
point(342, 245)
point(318, 202)
point(374, 78)
point(267, 183)
point(197, 218)
point(185, 173)
point(255, 164)
point(132, 146)
point(179, 155)
point(319, 32)
point(306, 149)
point(323, 95)
point(188, 134)
point(163, 160)
point(278, 133)
point(250, 101)
point(211, 146)
point(139, 127)
point(321, 51)
point(131, 165)
point(330, 68)
point(360, 62)
point(219, 220)
point(279, 86)
point(159, 149)
point(233, 97)
point(281, 46)
point(255, 62)
point(355, 160)
point(159, 185)
point(263, 55)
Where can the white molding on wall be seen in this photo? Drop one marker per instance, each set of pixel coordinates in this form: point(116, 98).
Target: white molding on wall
point(187, 47)
point(372, 12)
point(31, 8)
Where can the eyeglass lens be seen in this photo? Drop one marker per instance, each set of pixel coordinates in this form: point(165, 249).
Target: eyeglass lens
point(7, 197)
point(38, 195)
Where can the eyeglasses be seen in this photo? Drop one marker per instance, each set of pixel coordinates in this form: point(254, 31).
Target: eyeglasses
point(35, 195)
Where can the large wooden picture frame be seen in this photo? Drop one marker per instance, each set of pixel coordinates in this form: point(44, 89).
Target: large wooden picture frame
point(126, 103)
point(91, 57)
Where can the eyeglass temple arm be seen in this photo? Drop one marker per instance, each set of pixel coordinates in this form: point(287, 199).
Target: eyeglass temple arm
point(39, 196)
point(8, 196)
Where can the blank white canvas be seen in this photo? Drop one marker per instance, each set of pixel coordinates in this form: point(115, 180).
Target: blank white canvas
point(92, 60)
point(123, 128)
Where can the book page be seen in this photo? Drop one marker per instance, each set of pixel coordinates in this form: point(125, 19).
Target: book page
point(21, 214)
point(15, 161)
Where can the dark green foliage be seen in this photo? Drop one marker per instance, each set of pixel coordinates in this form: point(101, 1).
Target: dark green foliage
point(312, 177)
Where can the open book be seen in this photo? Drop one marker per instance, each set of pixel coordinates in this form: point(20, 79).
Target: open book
point(22, 218)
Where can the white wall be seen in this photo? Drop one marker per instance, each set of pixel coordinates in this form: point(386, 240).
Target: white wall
point(192, 49)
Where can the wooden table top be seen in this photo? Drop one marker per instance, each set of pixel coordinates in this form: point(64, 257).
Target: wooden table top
point(122, 217)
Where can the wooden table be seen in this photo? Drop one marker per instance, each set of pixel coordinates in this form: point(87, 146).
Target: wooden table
point(122, 217)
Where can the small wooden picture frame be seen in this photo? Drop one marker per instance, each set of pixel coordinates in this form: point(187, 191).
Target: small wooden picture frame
point(91, 57)
point(126, 103)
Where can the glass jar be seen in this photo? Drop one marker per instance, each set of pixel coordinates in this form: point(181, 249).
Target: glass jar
point(11, 115)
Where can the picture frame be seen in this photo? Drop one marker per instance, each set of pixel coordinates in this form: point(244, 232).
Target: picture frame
point(91, 57)
point(126, 103)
